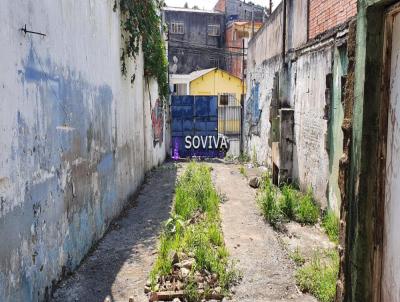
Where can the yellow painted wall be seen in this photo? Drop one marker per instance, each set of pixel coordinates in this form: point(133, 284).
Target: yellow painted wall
point(217, 82)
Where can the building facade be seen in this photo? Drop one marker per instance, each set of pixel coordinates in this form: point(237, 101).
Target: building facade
point(237, 36)
point(239, 10)
point(293, 108)
point(196, 39)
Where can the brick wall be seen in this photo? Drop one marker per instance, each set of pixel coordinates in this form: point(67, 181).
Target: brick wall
point(326, 14)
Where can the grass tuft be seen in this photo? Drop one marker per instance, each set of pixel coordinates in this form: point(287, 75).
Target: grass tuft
point(194, 228)
point(286, 204)
point(297, 257)
point(267, 201)
point(319, 276)
point(306, 210)
point(330, 223)
point(244, 158)
point(242, 171)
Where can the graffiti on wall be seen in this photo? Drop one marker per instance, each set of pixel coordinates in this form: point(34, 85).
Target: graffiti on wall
point(157, 120)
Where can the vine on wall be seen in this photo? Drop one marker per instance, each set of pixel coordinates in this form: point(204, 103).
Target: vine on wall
point(141, 24)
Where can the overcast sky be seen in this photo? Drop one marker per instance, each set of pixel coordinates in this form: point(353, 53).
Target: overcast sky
point(209, 4)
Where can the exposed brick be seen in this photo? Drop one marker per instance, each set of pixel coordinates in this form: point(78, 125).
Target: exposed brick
point(326, 14)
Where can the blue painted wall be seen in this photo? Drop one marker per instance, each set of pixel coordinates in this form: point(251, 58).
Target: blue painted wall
point(72, 139)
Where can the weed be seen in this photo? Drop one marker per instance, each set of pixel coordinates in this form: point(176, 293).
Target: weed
point(306, 210)
point(267, 201)
point(254, 157)
point(297, 257)
point(319, 276)
point(191, 292)
point(286, 204)
point(244, 158)
point(330, 223)
point(194, 228)
point(242, 171)
point(288, 201)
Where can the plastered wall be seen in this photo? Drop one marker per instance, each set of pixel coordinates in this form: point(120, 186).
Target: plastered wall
point(72, 138)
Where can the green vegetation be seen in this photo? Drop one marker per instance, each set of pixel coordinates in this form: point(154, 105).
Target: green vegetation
point(267, 201)
point(194, 229)
point(278, 205)
point(297, 257)
point(254, 157)
point(330, 223)
point(141, 25)
point(319, 276)
point(244, 158)
point(285, 204)
point(242, 171)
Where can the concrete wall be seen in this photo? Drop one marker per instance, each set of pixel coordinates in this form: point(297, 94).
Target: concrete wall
point(391, 266)
point(267, 42)
point(155, 125)
point(297, 23)
point(311, 162)
point(72, 138)
point(301, 80)
point(257, 125)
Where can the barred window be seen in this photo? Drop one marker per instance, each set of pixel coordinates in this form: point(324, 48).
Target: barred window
point(224, 100)
point(214, 30)
point(178, 28)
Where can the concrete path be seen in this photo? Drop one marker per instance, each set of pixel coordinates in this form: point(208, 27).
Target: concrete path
point(268, 275)
point(120, 265)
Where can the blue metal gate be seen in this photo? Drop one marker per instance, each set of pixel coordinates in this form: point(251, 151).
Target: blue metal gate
point(194, 116)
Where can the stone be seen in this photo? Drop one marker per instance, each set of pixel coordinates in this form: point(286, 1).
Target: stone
point(147, 289)
point(255, 182)
point(184, 272)
point(189, 263)
point(176, 300)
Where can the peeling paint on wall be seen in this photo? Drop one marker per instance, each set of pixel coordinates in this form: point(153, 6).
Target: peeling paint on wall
point(72, 141)
point(157, 118)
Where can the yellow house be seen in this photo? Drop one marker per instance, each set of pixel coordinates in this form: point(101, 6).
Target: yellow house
point(214, 81)
point(229, 90)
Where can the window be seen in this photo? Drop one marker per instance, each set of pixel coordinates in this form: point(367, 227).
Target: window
point(228, 99)
point(224, 100)
point(214, 30)
point(178, 28)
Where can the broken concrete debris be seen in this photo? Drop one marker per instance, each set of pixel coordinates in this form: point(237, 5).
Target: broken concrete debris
point(255, 182)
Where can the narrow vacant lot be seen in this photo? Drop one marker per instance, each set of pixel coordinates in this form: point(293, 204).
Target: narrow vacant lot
point(121, 264)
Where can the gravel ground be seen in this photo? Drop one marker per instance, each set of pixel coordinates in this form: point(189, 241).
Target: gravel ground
point(268, 274)
point(119, 266)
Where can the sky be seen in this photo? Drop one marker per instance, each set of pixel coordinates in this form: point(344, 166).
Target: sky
point(209, 4)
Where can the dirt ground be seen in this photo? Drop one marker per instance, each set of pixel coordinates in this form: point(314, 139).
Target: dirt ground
point(119, 266)
point(268, 274)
